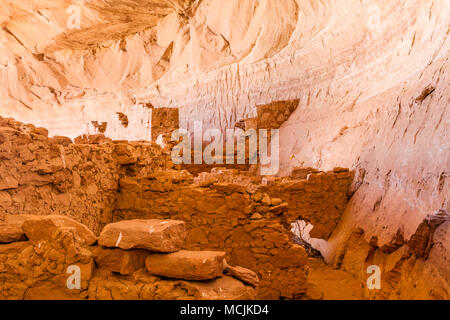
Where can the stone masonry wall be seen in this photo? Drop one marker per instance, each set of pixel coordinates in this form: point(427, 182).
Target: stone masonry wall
point(273, 115)
point(164, 121)
point(317, 197)
point(234, 213)
point(41, 175)
point(42, 256)
point(97, 181)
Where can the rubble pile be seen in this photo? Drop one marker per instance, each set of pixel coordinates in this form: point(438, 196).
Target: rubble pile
point(140, 259)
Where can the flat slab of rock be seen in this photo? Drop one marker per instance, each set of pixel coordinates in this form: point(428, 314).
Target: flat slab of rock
point(187, 265)
point(143, 286)
point(245, 275)
point(39, 228)
point(153, 235)
point(11, 228)
point(223, 288)
point(11, 233)
point(125, 262)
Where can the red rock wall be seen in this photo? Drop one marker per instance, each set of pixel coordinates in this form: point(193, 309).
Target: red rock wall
point(399, 138)
point(164, 121)
point(41, 175)
point(273, 115)
point(233, 213)
point(410, 269)
point(319, 199)
point(54, 250)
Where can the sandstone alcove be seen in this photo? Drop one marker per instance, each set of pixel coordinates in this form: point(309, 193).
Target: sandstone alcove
point(347, 99)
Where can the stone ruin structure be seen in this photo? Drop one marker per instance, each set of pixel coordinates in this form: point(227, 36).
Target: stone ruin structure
point(92, 203)
point(139, 227)
point(93, 207)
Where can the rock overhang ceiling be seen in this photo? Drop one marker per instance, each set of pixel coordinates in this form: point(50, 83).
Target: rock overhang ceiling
point(132, 47)
point(214, 59)
point(360, 70)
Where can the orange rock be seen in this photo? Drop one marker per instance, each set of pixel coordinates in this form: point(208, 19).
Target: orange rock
point(11, 233)
point(223, 288)
point(60, 140)
point(35, 179)
point(92, 139)
point(125, 262)
point(13, 248)
point(245, 275)
point(8, 182)
point(276, 201)
point(293, 257)
point(302, 173)
point(38, 228)
point(187, 265)
point(48, 290)
point(153, 235)
point(147, 287)
point(243, 257)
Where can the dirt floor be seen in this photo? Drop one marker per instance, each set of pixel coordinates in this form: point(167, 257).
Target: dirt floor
point(331, 284)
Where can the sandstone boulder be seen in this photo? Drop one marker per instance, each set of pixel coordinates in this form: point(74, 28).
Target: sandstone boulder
point(11, 233)
point(92, 139)
point(223, 288)
point(187, 265)
point(39, 228)
point(153, 235)
point(276, 201)
point(143, 286)
point(60, 140)
point(125, 262)
point(245, 275)
point(301, 172)
point(8, 182)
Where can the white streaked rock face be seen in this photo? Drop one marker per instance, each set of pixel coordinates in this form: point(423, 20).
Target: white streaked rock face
point(357, 67)
point(216, 64)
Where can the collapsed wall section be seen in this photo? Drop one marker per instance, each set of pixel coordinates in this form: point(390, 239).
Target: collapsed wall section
point(57, 258)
